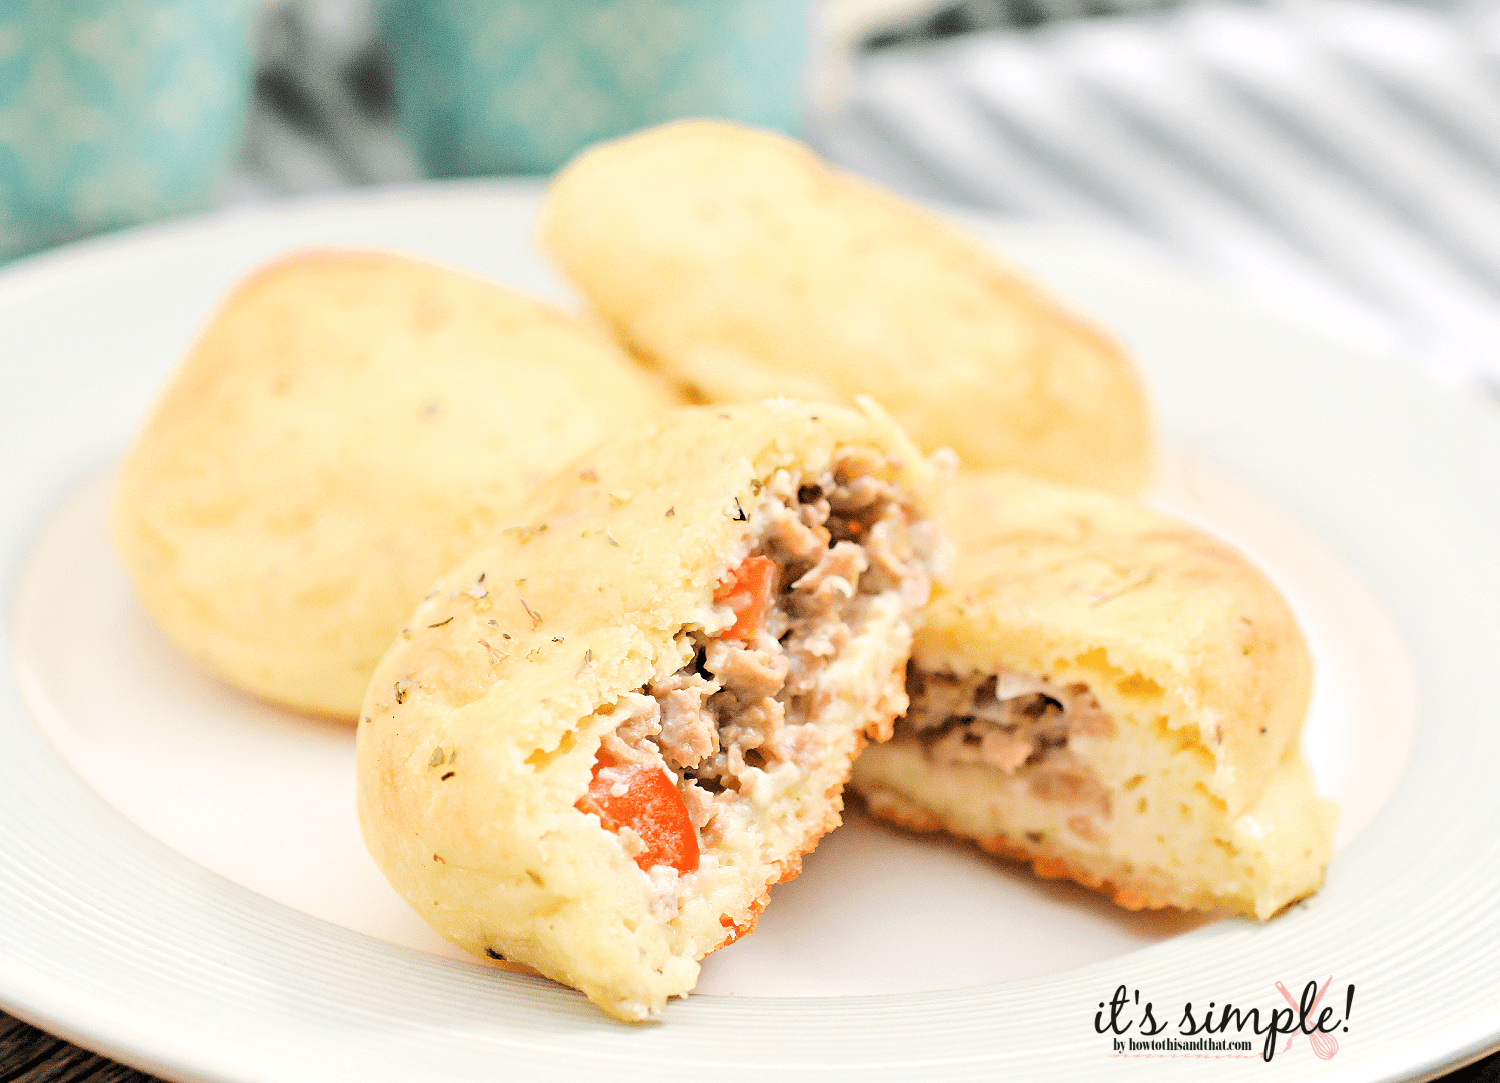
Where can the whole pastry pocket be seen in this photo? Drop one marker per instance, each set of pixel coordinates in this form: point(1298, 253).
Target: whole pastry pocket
point(1114, 697)
point(741, 265)
point(348, 425)
point(600, 741)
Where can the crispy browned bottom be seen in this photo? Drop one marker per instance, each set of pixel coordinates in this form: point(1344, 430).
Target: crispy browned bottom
point(879, 729)
point(1129, 894)
point(791, 867)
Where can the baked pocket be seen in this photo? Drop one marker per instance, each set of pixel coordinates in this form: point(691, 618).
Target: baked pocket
point(600, 741)
point(1112, 696)
point(348, 425)
point(744, 266)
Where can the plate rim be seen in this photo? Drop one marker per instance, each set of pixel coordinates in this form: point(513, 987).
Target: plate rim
point(48, 270)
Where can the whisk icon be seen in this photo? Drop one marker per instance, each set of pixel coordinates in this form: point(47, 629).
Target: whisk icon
point(1323, 1044)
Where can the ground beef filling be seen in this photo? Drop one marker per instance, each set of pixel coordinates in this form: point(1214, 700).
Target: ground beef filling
point(749, 702)
point(1017, 724)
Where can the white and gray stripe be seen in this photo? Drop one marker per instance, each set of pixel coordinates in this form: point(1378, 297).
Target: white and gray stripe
point(1339, 157)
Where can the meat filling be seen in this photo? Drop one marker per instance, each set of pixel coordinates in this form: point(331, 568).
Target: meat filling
point(1015, 723)
point(825, 548)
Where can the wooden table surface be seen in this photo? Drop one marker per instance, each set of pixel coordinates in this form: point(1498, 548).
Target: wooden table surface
point(28, 1055)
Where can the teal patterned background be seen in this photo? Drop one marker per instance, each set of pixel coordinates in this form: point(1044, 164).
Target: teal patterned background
point(516, 86)
point(114, 112)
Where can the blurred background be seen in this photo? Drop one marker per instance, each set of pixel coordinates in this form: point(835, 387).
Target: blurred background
point(1338, 159)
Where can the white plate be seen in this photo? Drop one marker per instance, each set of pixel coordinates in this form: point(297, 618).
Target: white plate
point(215, 917)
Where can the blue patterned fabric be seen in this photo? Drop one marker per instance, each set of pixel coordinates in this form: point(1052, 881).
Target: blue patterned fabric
point(518, 86)
point(116, 111)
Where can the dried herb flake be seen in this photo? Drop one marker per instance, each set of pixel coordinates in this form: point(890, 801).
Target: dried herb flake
point(1111, 595)
point(536, 618)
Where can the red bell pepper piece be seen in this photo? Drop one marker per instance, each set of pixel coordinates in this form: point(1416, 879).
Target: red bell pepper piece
point(652, 807)
point(747, 590)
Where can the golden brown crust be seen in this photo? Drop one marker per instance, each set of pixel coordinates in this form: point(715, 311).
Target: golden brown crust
point(347, 425)
point(743, 266)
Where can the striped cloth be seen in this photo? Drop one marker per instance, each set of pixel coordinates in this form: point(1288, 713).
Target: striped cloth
point(1339, 158)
